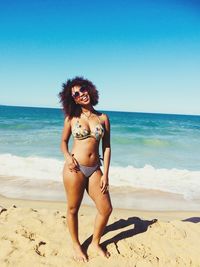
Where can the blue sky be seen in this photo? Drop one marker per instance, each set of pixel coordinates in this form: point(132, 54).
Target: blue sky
point(143, 56)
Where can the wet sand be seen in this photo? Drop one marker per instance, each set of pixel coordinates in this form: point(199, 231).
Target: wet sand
point(133, 198)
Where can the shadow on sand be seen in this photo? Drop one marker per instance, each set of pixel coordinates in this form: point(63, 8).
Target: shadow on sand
point(192, 219)
point(139, 226)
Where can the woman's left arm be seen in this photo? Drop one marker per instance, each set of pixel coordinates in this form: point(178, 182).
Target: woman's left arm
point(106, 148)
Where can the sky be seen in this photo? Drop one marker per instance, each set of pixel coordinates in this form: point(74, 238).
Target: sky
point(143, 56)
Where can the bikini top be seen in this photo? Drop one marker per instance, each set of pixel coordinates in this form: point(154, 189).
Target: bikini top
point(80, 133)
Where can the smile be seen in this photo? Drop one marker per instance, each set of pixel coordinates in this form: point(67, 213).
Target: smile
point(84, 98)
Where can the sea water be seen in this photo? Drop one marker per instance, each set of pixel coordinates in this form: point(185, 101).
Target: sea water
point(150, 151)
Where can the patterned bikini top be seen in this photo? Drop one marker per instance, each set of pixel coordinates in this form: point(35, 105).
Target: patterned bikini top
point(80, 133)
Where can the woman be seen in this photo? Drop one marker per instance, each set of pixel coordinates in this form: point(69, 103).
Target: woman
point(82, 167)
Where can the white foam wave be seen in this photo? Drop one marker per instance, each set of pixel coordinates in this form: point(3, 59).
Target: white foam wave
point(183, 182)
point(177, 181)
point(31, 167)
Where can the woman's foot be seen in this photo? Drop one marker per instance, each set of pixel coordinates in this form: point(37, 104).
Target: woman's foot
point(79, 255)
point(96, 248)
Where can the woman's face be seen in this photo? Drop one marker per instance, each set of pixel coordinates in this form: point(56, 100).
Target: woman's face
point(81, 95)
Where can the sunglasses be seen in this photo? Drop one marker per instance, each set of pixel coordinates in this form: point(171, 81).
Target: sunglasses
point(83, 89)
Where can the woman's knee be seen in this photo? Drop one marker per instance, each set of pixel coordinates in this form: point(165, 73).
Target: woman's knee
point(106, 211)
point(72, 210)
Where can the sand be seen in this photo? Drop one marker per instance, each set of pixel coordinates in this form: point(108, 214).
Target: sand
point(34, 233)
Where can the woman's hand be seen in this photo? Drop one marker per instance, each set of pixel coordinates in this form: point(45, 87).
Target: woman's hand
point(72, 164)
point(104, 184)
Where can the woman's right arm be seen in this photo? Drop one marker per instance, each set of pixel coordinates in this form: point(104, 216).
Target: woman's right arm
point(71, 162)
point(65, 138)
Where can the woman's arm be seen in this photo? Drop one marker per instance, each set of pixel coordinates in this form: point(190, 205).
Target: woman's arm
point(72, 164)
point(65, 138)
point(106, 154)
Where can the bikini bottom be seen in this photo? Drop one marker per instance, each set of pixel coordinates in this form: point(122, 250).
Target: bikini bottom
point(88, 171)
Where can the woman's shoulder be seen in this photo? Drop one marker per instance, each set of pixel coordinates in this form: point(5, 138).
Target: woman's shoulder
point(68, 120)
point(103, 116)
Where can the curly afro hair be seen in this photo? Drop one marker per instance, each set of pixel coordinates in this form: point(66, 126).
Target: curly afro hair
point(71, 109)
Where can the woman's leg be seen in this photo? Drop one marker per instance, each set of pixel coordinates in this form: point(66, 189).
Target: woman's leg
point(104, 207)
point(75, 184)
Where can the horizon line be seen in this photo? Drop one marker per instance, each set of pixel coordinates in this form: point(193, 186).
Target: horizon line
point(125, 111)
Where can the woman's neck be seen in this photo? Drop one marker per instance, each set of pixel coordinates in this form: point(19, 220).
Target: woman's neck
point(87, 109)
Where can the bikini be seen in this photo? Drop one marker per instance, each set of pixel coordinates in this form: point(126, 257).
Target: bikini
point(80, 133)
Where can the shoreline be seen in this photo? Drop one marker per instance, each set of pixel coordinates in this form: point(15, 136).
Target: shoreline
point(133, 198)
point(167, 215)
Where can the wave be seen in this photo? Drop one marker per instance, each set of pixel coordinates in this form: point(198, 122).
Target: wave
point(31, 167)
point(184, 182)
point(142, 141)
point(173, 180)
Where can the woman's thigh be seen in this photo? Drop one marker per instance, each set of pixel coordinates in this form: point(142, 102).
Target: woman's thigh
point(75, 184)
point(102, 200)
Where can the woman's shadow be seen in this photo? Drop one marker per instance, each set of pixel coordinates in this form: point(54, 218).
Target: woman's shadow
point(139, 226)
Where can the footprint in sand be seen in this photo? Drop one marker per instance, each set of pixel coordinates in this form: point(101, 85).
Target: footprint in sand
point(2, 209)
point(25, 233)
point(39, 250)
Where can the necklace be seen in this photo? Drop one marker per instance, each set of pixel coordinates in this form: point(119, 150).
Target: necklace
point(87, 116)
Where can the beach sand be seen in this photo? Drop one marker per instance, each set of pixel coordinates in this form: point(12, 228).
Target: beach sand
point(34, 233)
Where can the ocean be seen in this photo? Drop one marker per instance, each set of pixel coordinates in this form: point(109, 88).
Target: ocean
point(149, 151)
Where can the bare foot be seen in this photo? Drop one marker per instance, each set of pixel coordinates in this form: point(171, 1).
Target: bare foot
point(79, 255)
point(98, 249)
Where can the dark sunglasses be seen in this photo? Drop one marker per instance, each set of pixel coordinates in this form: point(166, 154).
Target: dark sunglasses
point(83, 89)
